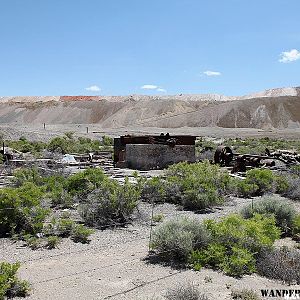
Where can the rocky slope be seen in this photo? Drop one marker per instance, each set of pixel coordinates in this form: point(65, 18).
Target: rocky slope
point(278, 108)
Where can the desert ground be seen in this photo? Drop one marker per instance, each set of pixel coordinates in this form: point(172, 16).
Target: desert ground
point(115, 264)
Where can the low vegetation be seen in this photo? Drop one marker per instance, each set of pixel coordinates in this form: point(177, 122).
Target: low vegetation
point(244, 294)
point(61, 144)
point(284, 214)
point(193, 186)
point(231, 244)
point(258, 145)
point(188, 291)
point(282, 264)
point(10, 285)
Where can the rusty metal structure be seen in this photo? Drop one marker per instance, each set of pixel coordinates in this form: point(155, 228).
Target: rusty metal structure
point(153, 151)
point(225, 157)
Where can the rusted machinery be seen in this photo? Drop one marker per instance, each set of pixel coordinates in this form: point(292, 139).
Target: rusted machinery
point(224, 156)
point(153, 151)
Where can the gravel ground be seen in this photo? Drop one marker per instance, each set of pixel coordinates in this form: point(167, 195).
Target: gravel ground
point(113, 265)
point(38, 133)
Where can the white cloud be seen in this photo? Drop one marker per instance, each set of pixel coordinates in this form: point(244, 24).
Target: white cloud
point(212, 73)
point(93, 88)
point(289, 56)
point(161, 90)
point(149, 87)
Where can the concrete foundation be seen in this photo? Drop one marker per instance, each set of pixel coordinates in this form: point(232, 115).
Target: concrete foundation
point(156, 156)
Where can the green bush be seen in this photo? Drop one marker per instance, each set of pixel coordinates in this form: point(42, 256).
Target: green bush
point(21, 210)
point(175, 239)
point(10, 285)
point(82, 183)
point(243, 188)
point(240, 262)
point(253, 234)
point(235, 242)
point(284, 214)
point(70, 144)
point(52, 241)
point(263, 178)
point(296, 228)
point(213, 256)
point(155, 190)
point(200, 185)
point(64, 227)
point(282, 184)
point(80, 234)
point(111, 204)
point(59, 144)
point(32, 241)
point(25, 175)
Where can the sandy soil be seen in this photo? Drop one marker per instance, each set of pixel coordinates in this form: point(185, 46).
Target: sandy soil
point(114, 264)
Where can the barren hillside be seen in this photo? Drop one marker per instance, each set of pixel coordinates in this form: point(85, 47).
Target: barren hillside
point(278, 108)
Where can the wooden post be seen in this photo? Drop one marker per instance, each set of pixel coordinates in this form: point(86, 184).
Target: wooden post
point(44, 125)
point(87, 130)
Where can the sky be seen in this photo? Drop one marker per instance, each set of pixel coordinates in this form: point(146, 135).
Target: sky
point(124, 47)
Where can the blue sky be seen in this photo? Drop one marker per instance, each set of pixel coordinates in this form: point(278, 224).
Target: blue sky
point(121, 47)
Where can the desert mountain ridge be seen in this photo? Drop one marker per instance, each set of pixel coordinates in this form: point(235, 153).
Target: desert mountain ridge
point(274, 108)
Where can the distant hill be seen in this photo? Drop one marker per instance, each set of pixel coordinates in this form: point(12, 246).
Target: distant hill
point(278, 108)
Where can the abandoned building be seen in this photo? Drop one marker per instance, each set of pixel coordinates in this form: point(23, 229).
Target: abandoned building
point(153, 151)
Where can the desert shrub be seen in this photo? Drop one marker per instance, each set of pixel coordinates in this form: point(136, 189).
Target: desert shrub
point(24, 175)
point(186, 291)
point(25, 146)
point(64, 227)
point(296, 228)
point(10, 285)
point(213, 256)
point(243, 188)
point(82, 183)
point(32, 241)
point(107, 141)
point(262, 178)
point(252, 234)
point(111, 204)
point(61, 198)
point(283, 213)
point(158, 218)
point(80, 234)
point(293, 190)
point(281, 184)
point(52, 241)
point(258, 145)
point(200, 185)
point(175, 239)
point(244, 294)
point(240, 262)
point(282, 264)
point(154, 190)
point(235, 242)
point(21, 209)
point(59, 144)
point(70, 144)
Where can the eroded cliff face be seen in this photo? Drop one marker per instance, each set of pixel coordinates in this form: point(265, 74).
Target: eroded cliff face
point(277, 108)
